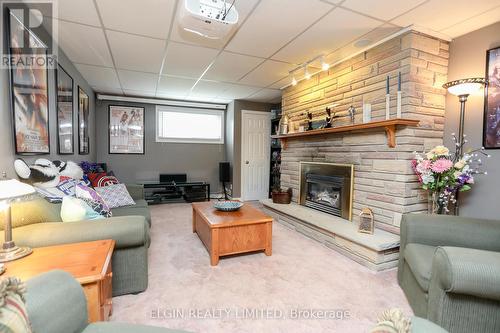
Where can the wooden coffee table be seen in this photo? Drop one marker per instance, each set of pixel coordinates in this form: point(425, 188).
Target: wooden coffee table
point(225, 233)
point(89, 263)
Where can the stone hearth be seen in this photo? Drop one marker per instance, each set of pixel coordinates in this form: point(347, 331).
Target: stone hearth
point(377, 252)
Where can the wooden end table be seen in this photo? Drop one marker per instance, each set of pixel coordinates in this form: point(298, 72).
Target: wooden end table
point(89, 263)
point(225, 233)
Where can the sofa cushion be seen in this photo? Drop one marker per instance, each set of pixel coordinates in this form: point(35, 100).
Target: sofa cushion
point(34, 211)
point(419, 258)
point(112, 327)
point(133, 210)
point(115, 195)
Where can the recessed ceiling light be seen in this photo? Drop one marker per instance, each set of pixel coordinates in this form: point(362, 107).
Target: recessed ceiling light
point(362, 43)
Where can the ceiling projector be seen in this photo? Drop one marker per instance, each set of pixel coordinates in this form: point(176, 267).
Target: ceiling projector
point(212, 19)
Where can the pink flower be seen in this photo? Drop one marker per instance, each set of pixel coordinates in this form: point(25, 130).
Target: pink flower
point(441, 165)
point(423, 166)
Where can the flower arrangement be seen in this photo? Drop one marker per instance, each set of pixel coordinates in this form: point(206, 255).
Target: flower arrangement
point(444, 174)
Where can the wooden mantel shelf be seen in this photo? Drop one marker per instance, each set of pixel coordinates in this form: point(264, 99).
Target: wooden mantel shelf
point(388, 125)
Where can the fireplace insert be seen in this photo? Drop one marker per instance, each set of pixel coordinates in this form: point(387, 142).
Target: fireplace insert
point(324, 193)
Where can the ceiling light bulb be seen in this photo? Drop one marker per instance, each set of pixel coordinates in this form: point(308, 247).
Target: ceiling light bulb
point(324, 66)
point(307, 75)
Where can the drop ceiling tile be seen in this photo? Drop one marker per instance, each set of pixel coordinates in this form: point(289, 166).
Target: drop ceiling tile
point(146, 17)
point(138, 80)
point(474, 23)
point(139, 93)
point(209, 89)
point(174, 86)
point(274, 23)
point(187, 60)
point(266, 96)
point(236, 91)
point(332, 32)
point(382, 9)
point(81, 11)
point(365, 41)
point(136, 53)
point(180, 35)
point(231, 67)
point(84, 44)
point(99, 76)
point(281, 83)
point(221, 100)
point(107, 90)
point(438, 14)
point(267, 73)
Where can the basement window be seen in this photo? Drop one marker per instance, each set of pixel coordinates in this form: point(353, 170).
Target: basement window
point(189, 125)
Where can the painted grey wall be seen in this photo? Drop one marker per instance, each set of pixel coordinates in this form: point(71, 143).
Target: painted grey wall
point(468, 59)
point(199, 161)
point(7, 150)
point(233, 138)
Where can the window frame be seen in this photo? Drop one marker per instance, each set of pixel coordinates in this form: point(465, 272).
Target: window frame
point(165, 108)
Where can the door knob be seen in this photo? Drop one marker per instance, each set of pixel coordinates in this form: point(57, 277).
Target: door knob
point(247, 162)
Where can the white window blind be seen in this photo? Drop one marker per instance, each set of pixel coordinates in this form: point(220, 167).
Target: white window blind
point(189, 125)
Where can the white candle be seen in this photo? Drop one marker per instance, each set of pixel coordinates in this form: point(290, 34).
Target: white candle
point(398, 110)
point(387, 106)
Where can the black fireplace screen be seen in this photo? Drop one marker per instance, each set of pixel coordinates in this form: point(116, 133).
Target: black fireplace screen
point(324, 193)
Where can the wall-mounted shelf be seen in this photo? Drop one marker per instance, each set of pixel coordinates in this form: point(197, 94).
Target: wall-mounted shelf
point(388, 125)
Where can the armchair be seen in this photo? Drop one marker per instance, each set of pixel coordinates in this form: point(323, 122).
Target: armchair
point(449, 269)
point(56, 303)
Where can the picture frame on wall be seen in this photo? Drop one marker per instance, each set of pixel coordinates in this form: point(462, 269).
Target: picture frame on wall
point(29, 97)
point(64, 100)
point(491, 128)
point(126, 129)
point(83, 122)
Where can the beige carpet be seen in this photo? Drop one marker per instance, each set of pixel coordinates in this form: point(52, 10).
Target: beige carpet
point(254, 293)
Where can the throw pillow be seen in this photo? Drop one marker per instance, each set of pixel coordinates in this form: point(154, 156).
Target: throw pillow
point(13, 314)
point(102, 179)
point(74, 210)
point(115, 195)
point(93, 199)
point(55, 194)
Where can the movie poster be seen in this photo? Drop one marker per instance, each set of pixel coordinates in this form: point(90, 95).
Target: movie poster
point(492, 100)
point(126, 130)
point(64, 112)
point(31, 113)
point(83, 123)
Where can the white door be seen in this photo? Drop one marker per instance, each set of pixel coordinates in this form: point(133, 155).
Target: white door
point(255, 150)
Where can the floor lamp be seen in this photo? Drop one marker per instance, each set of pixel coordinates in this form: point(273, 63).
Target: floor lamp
point(463, 88)
point(12, 191)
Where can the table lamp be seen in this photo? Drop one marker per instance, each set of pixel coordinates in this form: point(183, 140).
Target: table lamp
point(10, 191)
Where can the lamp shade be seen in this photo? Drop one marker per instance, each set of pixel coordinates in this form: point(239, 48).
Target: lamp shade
point(13, 189)
point(465, 86)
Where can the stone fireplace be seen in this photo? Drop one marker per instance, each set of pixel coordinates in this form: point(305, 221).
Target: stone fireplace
point(327, 187)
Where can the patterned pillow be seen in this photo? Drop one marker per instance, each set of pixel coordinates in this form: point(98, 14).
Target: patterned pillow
point(93, 199)
point(102, 179)
point(55, 194)
point(115, 195)
point(13, 314)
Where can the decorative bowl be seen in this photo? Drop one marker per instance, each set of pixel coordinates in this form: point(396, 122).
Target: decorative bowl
point(228, 205)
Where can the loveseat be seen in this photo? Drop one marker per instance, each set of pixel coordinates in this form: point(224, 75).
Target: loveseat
point(55, 303)
point(38, 223)
point(449, 269)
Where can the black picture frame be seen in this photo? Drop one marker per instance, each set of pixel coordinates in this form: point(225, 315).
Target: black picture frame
point(65, 108)
point(114, 130)
point(83, 122)
point(39, 120)
point(491, 119)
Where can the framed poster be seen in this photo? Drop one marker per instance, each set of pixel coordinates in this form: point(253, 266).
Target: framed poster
point(83, 122)
point(29, 96)
point(491, 128)
point(64, 101)
point(126, 129)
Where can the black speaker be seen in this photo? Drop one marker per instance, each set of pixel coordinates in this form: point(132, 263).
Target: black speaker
point(224, 172)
